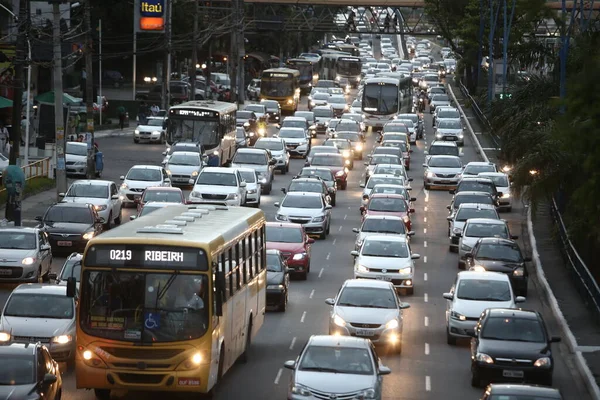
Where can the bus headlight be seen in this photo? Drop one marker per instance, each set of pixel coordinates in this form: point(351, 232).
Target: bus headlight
point(290, 101)
point(197, 359)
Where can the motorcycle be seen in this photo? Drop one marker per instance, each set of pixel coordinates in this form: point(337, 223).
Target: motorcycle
point(421, 107)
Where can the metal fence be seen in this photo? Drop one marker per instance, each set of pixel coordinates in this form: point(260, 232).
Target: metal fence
point(480, 115)
point(36, 169)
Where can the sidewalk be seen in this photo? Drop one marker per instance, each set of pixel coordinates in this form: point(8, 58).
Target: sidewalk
point(580, 320)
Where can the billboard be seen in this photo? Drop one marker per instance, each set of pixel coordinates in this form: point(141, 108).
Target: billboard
point(150, 15)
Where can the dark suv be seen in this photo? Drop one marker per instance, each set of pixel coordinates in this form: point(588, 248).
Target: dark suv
point(179, 92)
point(476, 184)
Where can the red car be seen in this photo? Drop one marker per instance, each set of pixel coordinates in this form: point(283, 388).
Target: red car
point(389, 204)
point(293, 243)
point(160, 194)
point(337, 165)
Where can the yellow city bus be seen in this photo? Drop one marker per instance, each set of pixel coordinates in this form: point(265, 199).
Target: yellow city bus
point(283, 85)
point(169, 301)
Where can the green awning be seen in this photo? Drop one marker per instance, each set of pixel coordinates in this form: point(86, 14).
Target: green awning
point(49, 98)
point(5, 103)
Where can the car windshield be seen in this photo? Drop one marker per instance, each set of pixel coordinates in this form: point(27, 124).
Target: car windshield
point(293, 133)
point(73, 215)
point(337, 100)
point(242, 157)
point(256, 108)
point(326, 175)
point(396, 128)
point(192, 149)
point(271, 105)
point(338, 360)
point(443, 151)
point(155, 122)
point(346, 126)
point(76, 149)
point(17, 240)
point(450, 124)
point(475, 186)
point(321, 96)
point(508, 252)
point(163, 196)
point(243, 115)
point(144, 175)
point(274, 263)
point(29, 305)
point(184, 159)
point(303, 186)
point(275, 145)
point(340, 144)
point(353, 117)
point(467, 213)
point(440, 97)
point(499, 180)
point(248, 176)
point(384, 159)
point(89, 191)
point(323, 113)
point(483, 290)
point(389, 189)
point(445, 162)
point(144, 307)
point(387, 204)
point(472, 198)
point(367, 297)
point(17, 370)
point(449, 115)
point(217, 179)
point(389, 181)
point(399, 144)
point(329, 160)
point(378, 225)
point(284, 235)
point(302, 202)
point(513, 329)
point(305, 114)
point(387, 170)
point(480, 230)
point(383, 248)
point(477, 169)
point(334, 123)
point(335, 91)
point(72, 268)
point(353, 137)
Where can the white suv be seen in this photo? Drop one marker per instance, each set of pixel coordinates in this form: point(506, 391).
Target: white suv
point(139, 178)
point(219, 184)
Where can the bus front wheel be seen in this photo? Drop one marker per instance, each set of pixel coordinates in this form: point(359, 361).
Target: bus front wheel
point(102, 394)
point(244, 356)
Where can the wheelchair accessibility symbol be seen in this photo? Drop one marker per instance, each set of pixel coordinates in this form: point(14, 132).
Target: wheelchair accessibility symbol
point(152, 320)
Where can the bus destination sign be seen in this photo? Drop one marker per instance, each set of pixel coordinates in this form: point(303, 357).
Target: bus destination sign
point(146, 256)
point(194, 113)
point(278, 75)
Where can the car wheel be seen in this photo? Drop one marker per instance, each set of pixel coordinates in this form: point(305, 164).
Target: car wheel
point(135, 141)
point(523, 292)
point(108, 221)
point(475, 379)
point(323, 236)
point(283, 304)
point(426, 186)
point(102, 394)
point(344, 185)
point(451, 340)
point(118, 219)
point(304, 275)
point(333, 201)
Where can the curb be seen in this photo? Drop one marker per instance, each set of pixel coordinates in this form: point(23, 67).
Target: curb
point(581, 363)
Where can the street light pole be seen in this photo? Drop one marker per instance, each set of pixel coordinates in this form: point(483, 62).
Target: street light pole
point(59, 123)
point(89, 82)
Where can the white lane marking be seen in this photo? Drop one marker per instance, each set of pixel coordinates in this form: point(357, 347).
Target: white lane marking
point(425, 219)
point(334, 240)
point(425, 259)
point(425, 243)
point(293, 343)
point(312, 293)
point(303, 316)
point(426, 196)
point(328, 255)
point(425, 276)
point(425, 208)
point(278, 377)
point(425, 297)
point(426, 321)
point(477, 133)
point(340, 229)
point(426, 348)
point(428, 383)
point(345, 216)
point(321, 272)
point(349, 208)
point(425, 231)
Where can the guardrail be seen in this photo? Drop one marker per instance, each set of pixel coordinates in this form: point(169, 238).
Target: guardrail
point(479, 114)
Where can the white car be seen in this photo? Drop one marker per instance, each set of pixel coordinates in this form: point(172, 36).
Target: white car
point(181, 146)
point(503, 185)
point(470, 295)
point(138, 179)
point(383, 179)
point(219, 184)
point(253, 186)
point(438, 100)
point(26, 255)
point(370, 309)
point(387, 258)
point(475, 168)
point(76, 156)
point(450, 130)
point(278, 151)
point(259, 160)
point(183, 167)
point(103, 195)
point(377, 225)
point(412, 129)
point(458, 219)
point(153, 131)
point(296, 141)
point(442, 171)
point(477, 228)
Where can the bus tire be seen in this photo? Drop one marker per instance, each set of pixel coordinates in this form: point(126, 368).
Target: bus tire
point(102, 394)
point(244, 357)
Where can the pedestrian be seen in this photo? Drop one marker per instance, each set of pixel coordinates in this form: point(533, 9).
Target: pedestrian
point(122, 113)
point(77, 123)
point(142, 114)
point(4, 138)
point(386, 23)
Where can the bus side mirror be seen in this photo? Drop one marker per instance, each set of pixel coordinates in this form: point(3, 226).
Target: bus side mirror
point(71, 287)
point(220, 282)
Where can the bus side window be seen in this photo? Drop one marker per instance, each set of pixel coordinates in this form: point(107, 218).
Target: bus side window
point(228, 276)
point(248, 256)
point(261, 250)
point(222, 268)
point(255, 253)
point(237, 267)
point(239, 248)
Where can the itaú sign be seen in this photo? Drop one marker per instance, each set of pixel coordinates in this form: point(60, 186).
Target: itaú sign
point(152, 15)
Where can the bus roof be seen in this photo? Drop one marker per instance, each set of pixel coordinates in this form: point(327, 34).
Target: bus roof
point(301, 60)
point(185, 225)
point(377, 80)
point(282, 71)
point(219, 106)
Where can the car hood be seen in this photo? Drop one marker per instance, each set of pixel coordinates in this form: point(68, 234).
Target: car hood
point(438, 119)
point(366, 315)
point(294, 140)
point(384, 262)
point(319, 102)
point(449, 131)
point(36, 327)
point(498, 265)
point(74, 158)
point(148, 128)
point(390, 213)
point(16, 255)
point(300, 212)
point(256, 167)
point(67, 227)
point(252, 186)
point(286, 247)
point(442, 170)
point(338, 106)
point(334, 383)
point(182, 169)
point(213, 189)
point(439, 103)
point(277, 153)
point(240, 122)
point(458, 225)
point(85, 200)
point(274, 278)
point(17, 392)
point(473, 308)
point(141, 184)
point(514, 349)
point(273, 110)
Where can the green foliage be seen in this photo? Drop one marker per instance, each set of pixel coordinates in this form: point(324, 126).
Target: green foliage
point(448, 15)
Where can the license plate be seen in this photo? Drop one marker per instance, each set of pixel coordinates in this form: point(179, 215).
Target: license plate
point(364, 332)
point(512, 374)
point(449, 137)
point(65, 243)
point(384, 278)
point(5, 272)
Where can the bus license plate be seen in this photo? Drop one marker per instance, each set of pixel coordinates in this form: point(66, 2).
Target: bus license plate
point(363, 332)
point(384, 278)
point(512, 374)
point(65, 243)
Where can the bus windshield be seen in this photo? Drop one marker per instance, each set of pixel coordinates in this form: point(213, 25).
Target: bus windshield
point(305, 68)
point(203, 131)
point(144, 307)
point(380, 99)
point(348, 67)
point(277, 86)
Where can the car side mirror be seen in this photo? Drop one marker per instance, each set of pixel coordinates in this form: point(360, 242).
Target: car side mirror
point(404, 306)
point(448, 208)
point(355, 230)
point(243, 184)
point(452, 191)
point(469, 255)
point(289, 270)
point(52, 276)
point(354, 253)
point(276, 204)
point(448, 296)
point(164, 153)
point(383, 370)
point(362, 185)
point(284, 190)
point(45, 247)
point(61, 195)
point(38, 218)
point(449, 218)
point(366, 163)
point(122, 177)
point(132, 217)
point(413, 199)
point(514, 237)
point(555, 339)
point(71, 287)
point(330, 301)
point(272, 161)
point(114, 197)
point(426, 152)
point(458, 235)
point(290, 364)
point(278, 126)
point(49, 379)
point(424, 165)
point(328, 207)
point(310, 240)
point(520, 299)
point(410, 179)
point(415, 256)
point(527, 259)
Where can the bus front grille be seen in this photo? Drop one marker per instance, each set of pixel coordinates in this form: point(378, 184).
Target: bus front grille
point(142, 353)
point(152, 379)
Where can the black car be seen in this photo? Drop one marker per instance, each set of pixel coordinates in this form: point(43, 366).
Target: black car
point(501, 255)
point(502, 391)
point(326, 175)
point(312, 184)
point(273, 110)
point(70, 225)
point(511, 345)
point(474, 184)
point(470, 197)
point(28, 371)
point(70, 269)
point(278, 280)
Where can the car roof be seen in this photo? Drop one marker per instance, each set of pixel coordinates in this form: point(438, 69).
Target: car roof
point(443, 143)
point(524, 389)
point(11, 349)
point(156, 167)
point(41, 288)
point(499, 241)
point(307, 179)
point(327, 154)
point(284, 225)
point(322, 108)
point(294, 119)
point(383, 216)
point(368, 283)
point(444, 156)
point(306, 194)
point(188, 153)
point(385, 176)
point(251, 150)
point(489, 221)
point(477, 205)
point(92, 182)
point(399, 166)
point(479, 163)
point(185, 144)
point(387, 196)
point(159, 204)
point(218, 169)
point(324, 169)
point(18, 229)
point(273, 251)
point(163, 188)
point(514, 312)
point(486, 275)
point(491, 174)
point(271, 139)
point(481, 179)
point(387, 238)
point(472, 193)
point(338, 341)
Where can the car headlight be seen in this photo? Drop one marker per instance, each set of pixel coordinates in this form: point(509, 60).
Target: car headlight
point(337, 78)
point(156, 132)
point(339, 321)
point(542, 362)
point(312, 103)
point(484, 358)
point(275, 287)
point(320, 218)
point(28, 261)
point(505, 195)
point(362, 268)
point(281, 217)
point(88, 235)
point(430, 174)
point(300, 390)
point(438, 135)
point(251, 134)
point(393, 324)
point(405, 271)
point(465, 247)
point(460, 136)
point(251, 191)
point(263, 181)
point(261, 131)
point(358, 147)
point(520, 271)
point(62, 339)
point(124, 186)
point(232, 196)
point(194, 173)
point(4, 337)
point(246, 124)
point(346, 154)
point(195, 194)
point(455, 315)
point(298, 256)
point(339, 173)
point(137, 131)
point(456, 231)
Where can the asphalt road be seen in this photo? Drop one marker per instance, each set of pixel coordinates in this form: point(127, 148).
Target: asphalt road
point(428, 368)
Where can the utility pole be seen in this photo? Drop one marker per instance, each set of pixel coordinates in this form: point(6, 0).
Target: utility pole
point(100, 70)
point(89, 90)
point(192, 75)
point(234, 50)
point(166, 72)
point(208, 70)
point(59, 123)
point(241, 51)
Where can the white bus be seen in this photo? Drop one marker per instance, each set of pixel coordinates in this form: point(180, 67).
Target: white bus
point(384, 98)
